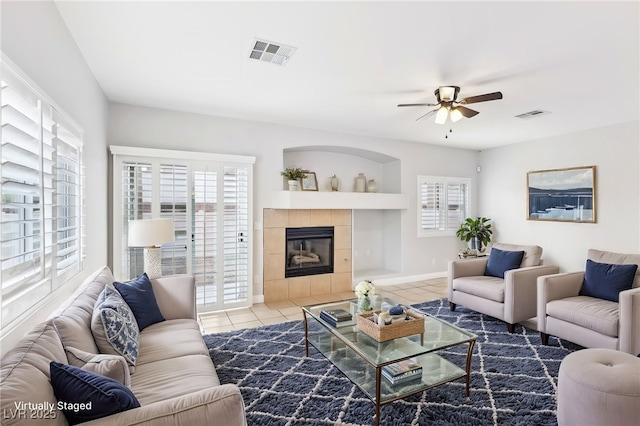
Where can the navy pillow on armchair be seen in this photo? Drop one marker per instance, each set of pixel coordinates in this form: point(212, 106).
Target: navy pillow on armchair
point(606, 281)
point(500, 261)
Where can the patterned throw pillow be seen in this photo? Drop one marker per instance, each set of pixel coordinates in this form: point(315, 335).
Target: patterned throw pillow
point(114, 327)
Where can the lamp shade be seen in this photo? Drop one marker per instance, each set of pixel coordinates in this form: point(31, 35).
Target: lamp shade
point(455, 114)
point(150, 232)
point(441, 116)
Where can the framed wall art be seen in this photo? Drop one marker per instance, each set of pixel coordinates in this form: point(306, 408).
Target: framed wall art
point(564, 195)
point(309, 182)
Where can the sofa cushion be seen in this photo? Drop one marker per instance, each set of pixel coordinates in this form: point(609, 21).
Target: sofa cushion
point(595, 314)
point(170, 378)
point(88, 396)
point(112, 366)
point(24, 375)
point(114, 327)
point(501, 261)
point(170, 339)
point(139, 296)
point(486, 287)
point(606, 281)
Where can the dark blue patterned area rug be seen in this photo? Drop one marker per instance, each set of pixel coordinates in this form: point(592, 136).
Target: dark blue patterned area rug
point(513, 381)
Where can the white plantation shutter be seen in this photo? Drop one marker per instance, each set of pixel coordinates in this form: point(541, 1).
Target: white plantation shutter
point(236, 233)
point(135, 195)
point(42, 202)
point(173, 205)
point(443, 203)
point(67, 202)
point(456, 204)
point(205, 236)
point(432, 198)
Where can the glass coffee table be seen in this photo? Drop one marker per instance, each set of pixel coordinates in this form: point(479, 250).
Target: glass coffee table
point(361, 358)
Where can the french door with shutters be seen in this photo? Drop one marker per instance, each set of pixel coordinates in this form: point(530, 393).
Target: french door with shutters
point(209, 197)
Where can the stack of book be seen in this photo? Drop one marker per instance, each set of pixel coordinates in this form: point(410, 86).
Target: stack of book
point(402, 371)
point(336, 317)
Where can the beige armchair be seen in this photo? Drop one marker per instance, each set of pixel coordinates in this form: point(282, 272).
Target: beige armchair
point(589, 321)
point(512, 298)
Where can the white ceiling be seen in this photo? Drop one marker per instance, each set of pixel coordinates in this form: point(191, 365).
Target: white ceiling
point(355, 61)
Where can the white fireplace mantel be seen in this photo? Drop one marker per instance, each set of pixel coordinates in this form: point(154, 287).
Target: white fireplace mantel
point(337, 200)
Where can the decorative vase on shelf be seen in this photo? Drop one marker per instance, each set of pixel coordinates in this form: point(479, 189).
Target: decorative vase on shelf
point(294, 185)
point(361, 182)
point(364, 304)
point(372, 186)
point(334, 183)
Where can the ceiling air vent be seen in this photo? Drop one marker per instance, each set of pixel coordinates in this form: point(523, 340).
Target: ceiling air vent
point(534, 113)
point(267, 51)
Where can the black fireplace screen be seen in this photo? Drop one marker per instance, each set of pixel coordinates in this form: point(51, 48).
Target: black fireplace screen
point(309, 251)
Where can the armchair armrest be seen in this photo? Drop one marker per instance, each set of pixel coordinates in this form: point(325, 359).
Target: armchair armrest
point(219, 405)
point(467, 267)
point(464, 268)
point(629, 332)
point(554, 287)
point(176, 296)
point(520, 291)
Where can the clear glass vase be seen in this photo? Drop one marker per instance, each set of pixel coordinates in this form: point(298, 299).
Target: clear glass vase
point(364, 304)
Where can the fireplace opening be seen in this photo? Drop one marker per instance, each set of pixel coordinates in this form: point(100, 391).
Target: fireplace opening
point(309, 251)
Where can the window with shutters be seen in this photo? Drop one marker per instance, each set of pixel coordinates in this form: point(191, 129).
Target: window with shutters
point(443, 203)
point(208, 196)
point(42, 179)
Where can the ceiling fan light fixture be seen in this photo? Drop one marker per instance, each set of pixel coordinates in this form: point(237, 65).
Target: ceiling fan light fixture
point(447, 93)
point(441, 116)
point(455, 115)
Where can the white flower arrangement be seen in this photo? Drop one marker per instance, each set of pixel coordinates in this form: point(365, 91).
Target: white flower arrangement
point(365, 288)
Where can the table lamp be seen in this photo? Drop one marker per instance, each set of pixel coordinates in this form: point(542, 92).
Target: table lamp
point(150, 234)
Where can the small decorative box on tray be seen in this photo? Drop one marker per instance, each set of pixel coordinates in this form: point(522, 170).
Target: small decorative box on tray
point(413, 324)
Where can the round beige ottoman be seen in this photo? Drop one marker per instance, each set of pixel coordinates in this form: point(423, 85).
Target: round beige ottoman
point(599, 387)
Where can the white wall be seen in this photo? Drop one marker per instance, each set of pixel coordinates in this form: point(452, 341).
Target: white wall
point(34, 37)
point(614, 150)
point(153, 128)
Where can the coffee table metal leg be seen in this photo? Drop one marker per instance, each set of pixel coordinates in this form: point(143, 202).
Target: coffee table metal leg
point(378, 386)
point(469, 353)
point(306, 333)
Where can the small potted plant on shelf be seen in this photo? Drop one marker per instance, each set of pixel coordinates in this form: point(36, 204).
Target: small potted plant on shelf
point(293, 176)
point(477, 231)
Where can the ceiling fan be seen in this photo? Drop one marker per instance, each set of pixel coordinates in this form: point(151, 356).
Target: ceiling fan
point(449, 105)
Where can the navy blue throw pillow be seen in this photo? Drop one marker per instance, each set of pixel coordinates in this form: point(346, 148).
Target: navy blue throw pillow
point(500, 261)
point(606, 281)
point(83, 395)
point(139, 296)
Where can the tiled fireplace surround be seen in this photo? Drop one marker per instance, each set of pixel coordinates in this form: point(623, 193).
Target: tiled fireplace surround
point(276, 286)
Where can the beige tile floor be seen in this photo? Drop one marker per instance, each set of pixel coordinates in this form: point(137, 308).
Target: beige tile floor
point(287, 310)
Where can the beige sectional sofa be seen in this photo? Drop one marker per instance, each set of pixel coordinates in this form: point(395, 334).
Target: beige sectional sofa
point(174, 379)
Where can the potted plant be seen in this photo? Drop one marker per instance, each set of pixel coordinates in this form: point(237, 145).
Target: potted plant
point(477, 231)
point(293, 176)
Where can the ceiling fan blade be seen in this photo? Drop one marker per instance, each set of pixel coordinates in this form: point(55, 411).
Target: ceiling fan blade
point(427, 114)
point(482, 98)
point(406, 105)
point(467, 112)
